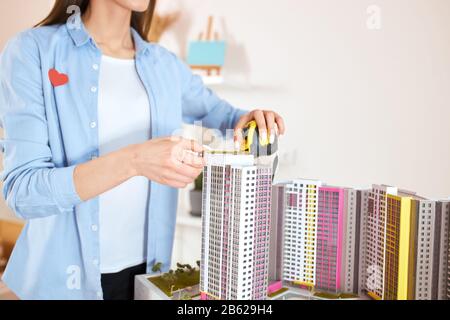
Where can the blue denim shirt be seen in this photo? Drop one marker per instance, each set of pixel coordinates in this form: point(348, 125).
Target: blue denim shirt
point(50, 129)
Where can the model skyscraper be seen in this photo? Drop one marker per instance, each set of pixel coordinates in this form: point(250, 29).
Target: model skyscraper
point(376, 233)
point(353, 267)
point(361, 239)
point(235, 228)
point(299, 240)
point(432, 250)
point(401, 226)
point(277, 233)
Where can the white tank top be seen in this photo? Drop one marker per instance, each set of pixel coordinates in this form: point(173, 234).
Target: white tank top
point(123, 119)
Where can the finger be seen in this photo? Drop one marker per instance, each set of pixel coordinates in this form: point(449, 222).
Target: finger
point(182, 159)
point(175, 184)
point(261, 123)
point(270, 122)
point(176, 177)
point(192, 159)
point(177, 139)
point(238, 136)
point(242, 122)
point(280, 123)
point(191, 144)
point(188, 171)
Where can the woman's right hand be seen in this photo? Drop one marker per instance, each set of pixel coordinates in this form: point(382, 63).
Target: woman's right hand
point(168, 161)
point(171, 161)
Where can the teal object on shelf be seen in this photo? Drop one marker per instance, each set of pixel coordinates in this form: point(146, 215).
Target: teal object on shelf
point(206, 53)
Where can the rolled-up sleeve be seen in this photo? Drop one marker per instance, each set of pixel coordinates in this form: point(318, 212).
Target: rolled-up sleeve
point(200, 104)
point(34, 186)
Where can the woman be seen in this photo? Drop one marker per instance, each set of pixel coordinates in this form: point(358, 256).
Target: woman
point(88, 108)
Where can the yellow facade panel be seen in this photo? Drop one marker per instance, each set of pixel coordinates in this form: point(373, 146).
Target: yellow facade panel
point(406, 250)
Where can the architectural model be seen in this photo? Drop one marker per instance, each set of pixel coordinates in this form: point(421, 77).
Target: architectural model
point(318, 234)
point(304, 239)
point(383, 243)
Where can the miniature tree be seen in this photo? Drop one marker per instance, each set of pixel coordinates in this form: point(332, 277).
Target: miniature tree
point(199, 183)
point(190, 269)
point(171, 276)
point(198, 263)
point(165, 277)
point(157, 267)
point(179, 271)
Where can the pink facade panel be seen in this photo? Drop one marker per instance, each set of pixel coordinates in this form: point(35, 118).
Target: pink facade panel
point(275, 286)
point(329, 239)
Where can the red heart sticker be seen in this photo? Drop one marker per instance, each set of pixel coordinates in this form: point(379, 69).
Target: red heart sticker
point(57, 79)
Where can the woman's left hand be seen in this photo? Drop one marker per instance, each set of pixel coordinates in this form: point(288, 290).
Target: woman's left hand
point(268, 122)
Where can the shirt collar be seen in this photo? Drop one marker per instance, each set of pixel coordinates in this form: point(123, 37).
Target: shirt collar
point(80, 35)
point(140, 44)
point(77, 30)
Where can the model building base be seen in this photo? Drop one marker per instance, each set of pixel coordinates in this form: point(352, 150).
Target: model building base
point(181, 284)
point(186, 287)
point(293, 292)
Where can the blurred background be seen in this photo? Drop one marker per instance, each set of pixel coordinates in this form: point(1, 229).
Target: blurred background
point(363, 85)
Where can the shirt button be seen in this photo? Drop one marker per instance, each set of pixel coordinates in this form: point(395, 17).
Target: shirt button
point(93, 124)
point(95, 262)
point(94, 228)
point(93, 89)
point(95, 66)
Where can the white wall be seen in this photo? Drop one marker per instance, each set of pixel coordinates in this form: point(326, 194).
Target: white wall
point(362, 106)
point(17, 15)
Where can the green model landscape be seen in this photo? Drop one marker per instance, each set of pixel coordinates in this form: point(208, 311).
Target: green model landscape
point(183, 277)
point(332, 296)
